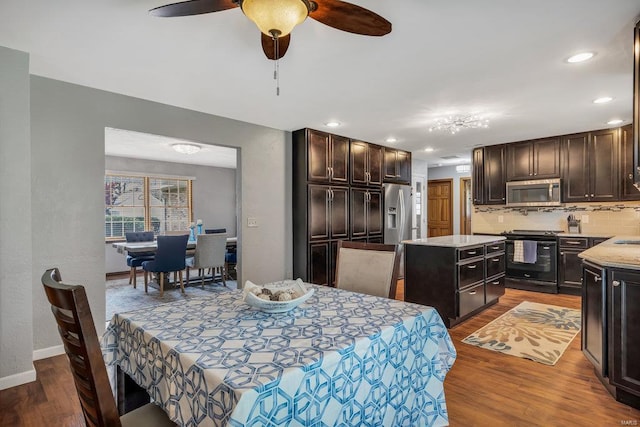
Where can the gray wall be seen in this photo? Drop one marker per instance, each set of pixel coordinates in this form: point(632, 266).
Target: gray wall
point(16, 331)
point(446, 172)
point(67, 173)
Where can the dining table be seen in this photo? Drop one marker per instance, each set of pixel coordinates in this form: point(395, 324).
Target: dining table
point(152, 246)
point(338, 359)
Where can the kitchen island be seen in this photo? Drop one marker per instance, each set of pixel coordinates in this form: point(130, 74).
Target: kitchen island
point(611, 315)
point(459, 275)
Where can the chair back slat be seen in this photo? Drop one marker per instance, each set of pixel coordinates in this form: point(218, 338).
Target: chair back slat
point(70, 307)
point(368, 268)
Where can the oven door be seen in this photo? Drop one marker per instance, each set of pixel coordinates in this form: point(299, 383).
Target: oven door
point(544, 269)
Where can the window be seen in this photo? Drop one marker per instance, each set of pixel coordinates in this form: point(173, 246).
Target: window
point(139, 203)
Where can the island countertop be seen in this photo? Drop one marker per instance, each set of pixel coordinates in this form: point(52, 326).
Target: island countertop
point(612, 254)
point(455, 240)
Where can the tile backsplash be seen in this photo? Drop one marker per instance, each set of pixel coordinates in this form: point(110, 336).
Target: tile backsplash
point(596, 218)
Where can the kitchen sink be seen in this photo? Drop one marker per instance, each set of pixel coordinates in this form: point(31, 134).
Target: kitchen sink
point(627, 242)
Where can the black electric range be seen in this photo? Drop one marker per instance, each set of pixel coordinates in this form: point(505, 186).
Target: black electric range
point(540, 273)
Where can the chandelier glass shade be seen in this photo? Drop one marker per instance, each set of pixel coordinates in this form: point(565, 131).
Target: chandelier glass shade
point(275, 18)
point(454, 124)
point(185, 148)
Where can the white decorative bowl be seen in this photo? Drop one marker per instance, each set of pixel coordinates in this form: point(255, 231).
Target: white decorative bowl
point(276, 306)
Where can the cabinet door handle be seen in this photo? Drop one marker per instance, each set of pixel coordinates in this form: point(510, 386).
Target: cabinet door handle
point(330, 194)
point(471, 267)
point(572, 242)
point(495, 259)
point(471, 252)
point(472, 292)
point(592, 195)
point(527, 275)
point(497, 282)
point(630, 176)
point(597, 278)
point(495, 247)
point(586, 195)
point(546, 248)
point(615, 283)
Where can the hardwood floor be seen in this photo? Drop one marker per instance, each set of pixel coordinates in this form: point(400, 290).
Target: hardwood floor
point(484, 388)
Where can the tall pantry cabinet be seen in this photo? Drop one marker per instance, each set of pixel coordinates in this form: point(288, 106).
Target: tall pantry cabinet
point(337, 195)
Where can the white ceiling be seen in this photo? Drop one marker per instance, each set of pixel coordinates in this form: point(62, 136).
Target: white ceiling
point(501, 58)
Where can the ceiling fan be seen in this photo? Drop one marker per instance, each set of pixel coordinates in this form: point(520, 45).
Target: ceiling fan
point(277, 18)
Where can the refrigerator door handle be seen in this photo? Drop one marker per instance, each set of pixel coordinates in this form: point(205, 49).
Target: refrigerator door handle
point(402, 220)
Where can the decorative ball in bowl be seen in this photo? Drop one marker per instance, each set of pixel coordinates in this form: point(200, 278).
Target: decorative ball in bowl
point(276, 297)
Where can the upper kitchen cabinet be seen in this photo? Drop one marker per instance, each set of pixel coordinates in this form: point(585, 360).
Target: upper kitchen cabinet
point(590, 166)
point(627, 190)
point(366, 164)
point(537, 159)
point(495, 174)
point(327, 157)
point(477, 180)
point(397, 166)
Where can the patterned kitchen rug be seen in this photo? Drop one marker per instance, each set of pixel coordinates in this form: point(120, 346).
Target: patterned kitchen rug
point(539, 332)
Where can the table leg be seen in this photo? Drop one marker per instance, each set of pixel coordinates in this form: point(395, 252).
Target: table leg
point(129, 394)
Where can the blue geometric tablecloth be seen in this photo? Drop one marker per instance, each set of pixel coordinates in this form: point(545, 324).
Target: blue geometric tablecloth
point(340, 359)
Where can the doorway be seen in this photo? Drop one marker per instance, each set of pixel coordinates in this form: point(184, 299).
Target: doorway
point(440, 207)
point(465, 205)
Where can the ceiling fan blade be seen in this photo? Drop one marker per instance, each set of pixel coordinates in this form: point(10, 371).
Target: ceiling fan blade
point(268, 46)
point(193, 7)
point(351, 18)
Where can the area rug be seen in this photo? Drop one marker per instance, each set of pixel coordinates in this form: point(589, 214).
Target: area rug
point(539, 332)
point(121, 297)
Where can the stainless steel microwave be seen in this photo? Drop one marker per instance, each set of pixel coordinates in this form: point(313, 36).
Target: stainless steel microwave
point(539, 192)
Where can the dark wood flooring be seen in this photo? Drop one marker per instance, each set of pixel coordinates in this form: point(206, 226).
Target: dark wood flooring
point(484, 388)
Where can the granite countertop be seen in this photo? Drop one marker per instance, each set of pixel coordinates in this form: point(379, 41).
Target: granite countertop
point(455, 240)
point(611, 254)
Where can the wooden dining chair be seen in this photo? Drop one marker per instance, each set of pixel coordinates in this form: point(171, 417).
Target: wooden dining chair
point(71, 310)
point(367, 268)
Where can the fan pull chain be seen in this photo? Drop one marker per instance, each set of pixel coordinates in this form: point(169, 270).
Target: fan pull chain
point(276, 66)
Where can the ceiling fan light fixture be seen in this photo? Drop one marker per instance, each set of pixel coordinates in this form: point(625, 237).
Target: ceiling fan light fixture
point(276, 18)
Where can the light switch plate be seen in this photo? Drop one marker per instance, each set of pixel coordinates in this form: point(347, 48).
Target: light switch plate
point(585, 219)
point(252, 222)
point(500, 219)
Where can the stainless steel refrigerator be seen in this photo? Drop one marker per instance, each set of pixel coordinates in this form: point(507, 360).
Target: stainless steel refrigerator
point(397, 216)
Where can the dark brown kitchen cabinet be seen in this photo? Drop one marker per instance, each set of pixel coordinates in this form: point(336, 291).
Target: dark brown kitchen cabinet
point(458, 281)
point(627, 190)
point(366, 214)
point(328, 212)
point(590, 166)
point(477, 177)
point(328, 157)
point(536, 159)
point(624, 353)
point(495, 174)
point(322, 262)
point(397, 166)
point(594, 327)
point(366, 164)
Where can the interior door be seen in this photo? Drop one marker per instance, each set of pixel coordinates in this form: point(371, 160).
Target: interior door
point(440, 207)
point(465, 205)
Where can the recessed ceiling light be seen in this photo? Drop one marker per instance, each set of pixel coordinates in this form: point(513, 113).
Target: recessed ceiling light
point(580, 57)
point(615, 122)
point(332, 124)
point(428, 149)
point(185, 148)
point(603, 100)
point(391, 140)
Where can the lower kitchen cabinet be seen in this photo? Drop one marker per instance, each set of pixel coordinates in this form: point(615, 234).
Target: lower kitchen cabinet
point(611, 329)
point(458, 280)
point(570, 274)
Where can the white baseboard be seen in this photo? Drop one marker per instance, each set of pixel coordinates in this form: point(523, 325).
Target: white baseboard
point(43, 353)
point(17, 379)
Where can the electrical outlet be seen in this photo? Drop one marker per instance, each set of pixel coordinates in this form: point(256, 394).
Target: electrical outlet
point(585, 219)
point(500, 219)
point(252, 222)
